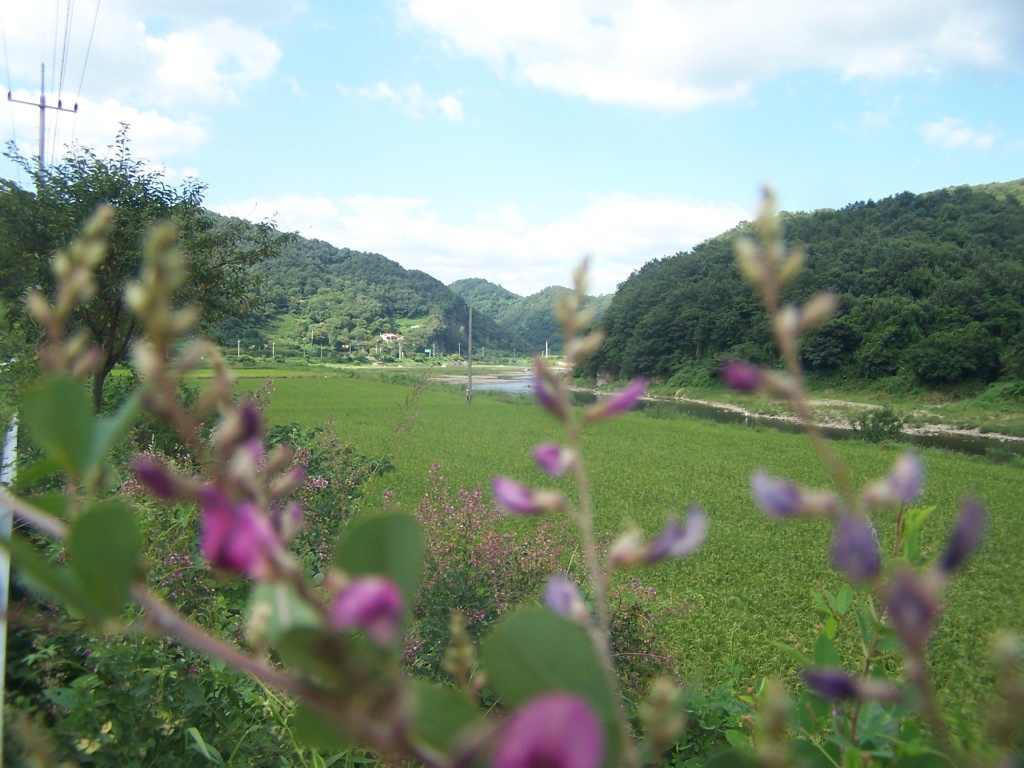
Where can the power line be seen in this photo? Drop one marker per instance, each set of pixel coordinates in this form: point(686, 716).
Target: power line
point(69, 12)
point(7, 68)
point(88, 49)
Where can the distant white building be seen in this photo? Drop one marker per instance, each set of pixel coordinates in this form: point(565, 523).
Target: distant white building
point(390, 337)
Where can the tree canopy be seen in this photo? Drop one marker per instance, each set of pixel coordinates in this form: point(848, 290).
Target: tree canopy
point(36, 221)
point(931, 292)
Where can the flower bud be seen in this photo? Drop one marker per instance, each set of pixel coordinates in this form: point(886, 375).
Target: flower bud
point(818, 309)
point(517, 499)
point(966, 535)
point(371, 605)
point(855, 549)
point(563, 597)
point(676, 539)
point(901, 486)
point(554, 459)
point(618, 403)
point(741, 376)
point(555, 730)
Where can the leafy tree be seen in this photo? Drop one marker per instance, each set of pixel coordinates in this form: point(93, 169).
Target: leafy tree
point(35, 223)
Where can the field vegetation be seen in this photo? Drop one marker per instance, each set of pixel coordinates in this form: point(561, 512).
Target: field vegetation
point(725, 609)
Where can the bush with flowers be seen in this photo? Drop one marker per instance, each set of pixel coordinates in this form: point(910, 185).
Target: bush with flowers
point(333, 645)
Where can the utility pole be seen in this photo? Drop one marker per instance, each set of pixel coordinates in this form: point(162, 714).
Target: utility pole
point(43, 106)
point(469, 387)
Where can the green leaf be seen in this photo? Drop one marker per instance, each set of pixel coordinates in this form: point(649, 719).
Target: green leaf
point(110, 429)
point(104, 547)
point(281, 609)
point(825, 653)
point(737, 738)
point(58, 414)
point(210, 752)
point(30, 474)
point(733, 758)
point(809, 754)
point(316, 731)
point(534, 651)
point(844, 599)
point(388, 545)
point(441, 714)
point(799, 657)
point(866, 625)
point(819, 600)
point(829, 630)
point(49, 580)
point(815, 713)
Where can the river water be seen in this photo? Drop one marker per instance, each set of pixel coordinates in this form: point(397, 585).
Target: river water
point(523, 385)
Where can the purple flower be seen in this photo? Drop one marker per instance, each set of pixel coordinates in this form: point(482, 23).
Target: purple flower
point(676, 539)
point(901, 486)
point(966, 535)
point(836, 685)
point(554, 458)
point(778, 498)
point(563, 597)
point(911, 602)
point(370, 604)
point(855, 549)
point(287, 520)
point(547, 397)
point(517, 499)
point(741, 376)
point(831, 684)
point(236, 536)
point(618, 403)
point(156, 476)
point(554, 730)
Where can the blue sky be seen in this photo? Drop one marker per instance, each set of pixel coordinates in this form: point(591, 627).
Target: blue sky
point(506, 140)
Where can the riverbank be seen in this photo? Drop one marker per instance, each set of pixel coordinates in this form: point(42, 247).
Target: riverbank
point(921, 419)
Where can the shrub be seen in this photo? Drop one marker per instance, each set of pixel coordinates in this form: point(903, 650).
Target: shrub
point(879, 425)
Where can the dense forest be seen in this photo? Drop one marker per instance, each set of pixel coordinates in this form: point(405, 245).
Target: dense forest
point(318, 296)
point(931, 293)
point(529, 317)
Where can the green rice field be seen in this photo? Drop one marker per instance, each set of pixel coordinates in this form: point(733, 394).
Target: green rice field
point(749, 586)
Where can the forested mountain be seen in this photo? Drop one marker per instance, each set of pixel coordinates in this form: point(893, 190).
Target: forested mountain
point(318, 295)
point(931, 292)
point(531, 317)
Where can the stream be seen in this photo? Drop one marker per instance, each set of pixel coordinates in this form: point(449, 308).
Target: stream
point(972, 444)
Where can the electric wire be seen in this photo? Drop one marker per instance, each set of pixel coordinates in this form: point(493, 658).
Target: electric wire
point(10, 86)
point(69, 11)
point(85, 66)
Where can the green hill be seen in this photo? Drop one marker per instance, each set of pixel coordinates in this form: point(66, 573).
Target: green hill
point(531, 317)
point(931, 293)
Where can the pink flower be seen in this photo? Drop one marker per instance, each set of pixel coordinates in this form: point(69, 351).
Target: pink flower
point(618, 403)
point(562, 596)
point(370, 604)
point(901, 486)
point(677, 539)
point(554, 730)
point(554, 458)
point(966, 535)
point(236, 536)
point(742, 376)
point(517, 499)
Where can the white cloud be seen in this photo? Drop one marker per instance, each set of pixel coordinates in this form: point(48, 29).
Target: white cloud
point(676, 55)
point(451, 107)
point(152, 135)
point(186, 59)
point(951, 133)
point(411, 99)
point(621, 232)
point(211, 62)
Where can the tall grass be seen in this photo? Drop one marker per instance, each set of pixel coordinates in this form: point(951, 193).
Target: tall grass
point(749, 586)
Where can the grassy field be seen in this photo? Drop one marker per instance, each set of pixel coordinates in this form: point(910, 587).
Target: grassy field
point(749, 586)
